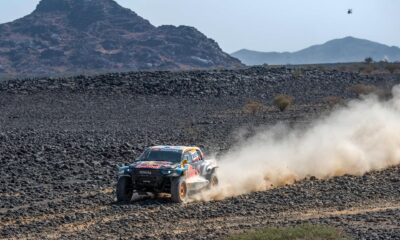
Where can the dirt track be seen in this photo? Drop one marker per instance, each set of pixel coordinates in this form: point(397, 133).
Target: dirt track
point(359, 205)
point(59, 147)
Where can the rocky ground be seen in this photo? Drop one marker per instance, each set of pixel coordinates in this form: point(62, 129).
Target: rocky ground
point(60, 140)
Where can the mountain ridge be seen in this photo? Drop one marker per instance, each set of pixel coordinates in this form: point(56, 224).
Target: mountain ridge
point(348, 49)
point(72, 36)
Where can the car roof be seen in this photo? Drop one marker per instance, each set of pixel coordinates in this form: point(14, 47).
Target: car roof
point(174, 148)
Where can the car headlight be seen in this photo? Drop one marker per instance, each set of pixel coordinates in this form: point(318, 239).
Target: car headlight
point(124, 170)
point(166, 171)
point(171, 172)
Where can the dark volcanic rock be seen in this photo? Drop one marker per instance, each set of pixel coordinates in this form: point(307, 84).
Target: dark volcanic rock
point(60, 140)
point(251, 83)
point(70, 36)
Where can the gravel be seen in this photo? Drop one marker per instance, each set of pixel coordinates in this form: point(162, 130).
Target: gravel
point(60, 140)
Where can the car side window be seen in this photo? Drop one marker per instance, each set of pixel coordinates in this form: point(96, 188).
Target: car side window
point(187, 156)
point(199, 154)
point(195, 156)
point(144, 155)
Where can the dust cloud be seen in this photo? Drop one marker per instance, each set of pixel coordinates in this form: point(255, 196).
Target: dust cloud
point(362, 136)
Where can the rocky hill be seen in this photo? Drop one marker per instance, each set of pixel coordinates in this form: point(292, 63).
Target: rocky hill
point(73, 36)
point(348, 49)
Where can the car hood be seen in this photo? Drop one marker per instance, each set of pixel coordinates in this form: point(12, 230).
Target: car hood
point(155, 165)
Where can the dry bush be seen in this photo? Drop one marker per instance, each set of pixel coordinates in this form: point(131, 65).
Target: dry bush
point(391, 68)
point(253, 107)
point(297, 73)
point(342, 68)
point(192, 133)
point(351, 67)
point(309, 232)
point(365, 89)
point(366, 69)
point(321, 68)
point(385, 94)
point(362, 89)
point(333, 100)
point(283, 101)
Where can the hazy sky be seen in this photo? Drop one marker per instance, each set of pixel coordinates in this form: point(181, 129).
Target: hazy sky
point(264, 25)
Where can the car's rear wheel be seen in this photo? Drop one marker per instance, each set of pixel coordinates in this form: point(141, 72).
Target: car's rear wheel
point(124, 190)
point(213, 179)
point(179, 190)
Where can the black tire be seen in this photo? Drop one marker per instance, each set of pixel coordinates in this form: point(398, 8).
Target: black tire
point(142, 193)
point(213, 180)
point(179, 190)
point(157, 195)
point(124, 190)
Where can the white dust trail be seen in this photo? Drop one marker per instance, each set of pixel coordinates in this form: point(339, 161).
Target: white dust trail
point(362, 136)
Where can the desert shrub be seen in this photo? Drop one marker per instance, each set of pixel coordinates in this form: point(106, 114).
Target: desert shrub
point(361, 69)
point(391, 68)
point(333, 100)
point(349, 67)
point(283, 101)
point(306, 231)
point(367, 70)
point(192, 133)
point(321, 68)
point(342, 68)
point(368, 60)
point(364, 89)
point(385, 94)
point(253, 107)
point(297, 73)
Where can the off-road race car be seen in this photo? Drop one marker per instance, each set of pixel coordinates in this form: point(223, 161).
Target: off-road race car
point(177, 170)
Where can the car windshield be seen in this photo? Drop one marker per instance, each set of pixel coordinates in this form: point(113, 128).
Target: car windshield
point(160, 155)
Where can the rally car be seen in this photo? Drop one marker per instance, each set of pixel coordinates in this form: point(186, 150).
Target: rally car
point(177, 170)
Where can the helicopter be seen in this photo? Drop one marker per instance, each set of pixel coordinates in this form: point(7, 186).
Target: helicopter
point(350, 11)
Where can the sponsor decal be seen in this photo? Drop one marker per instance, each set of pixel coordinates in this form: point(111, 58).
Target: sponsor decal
point(170, 149)
point(153, 165)
point(192, 172)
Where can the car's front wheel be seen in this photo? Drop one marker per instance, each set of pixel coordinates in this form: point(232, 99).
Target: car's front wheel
point(124, 189)
point(179, 190)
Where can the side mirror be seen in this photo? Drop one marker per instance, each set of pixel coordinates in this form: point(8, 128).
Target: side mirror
point(202, 148)
point(184, 163)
